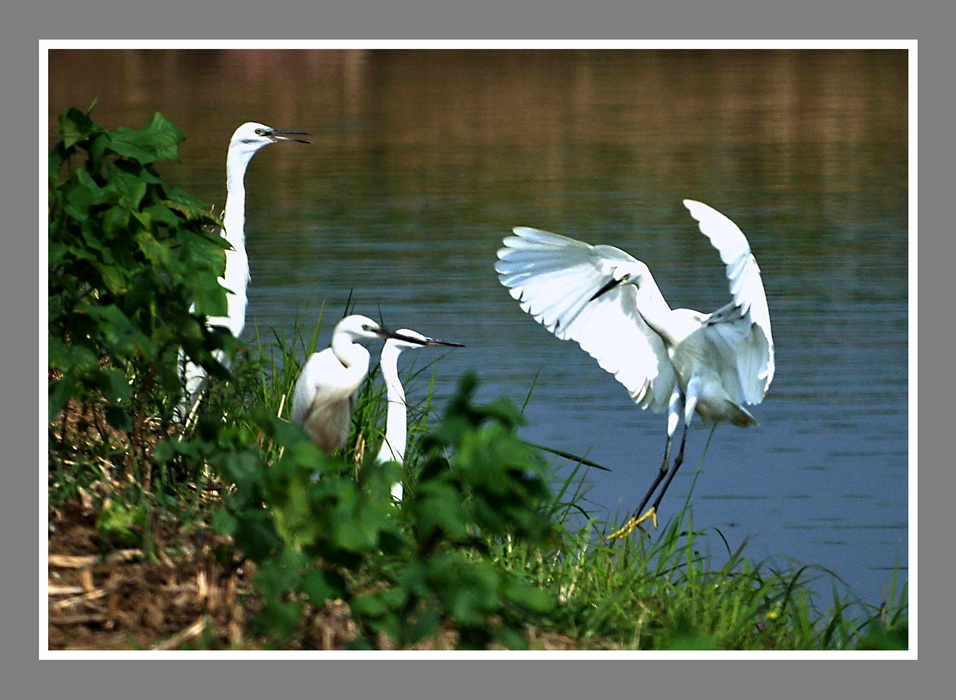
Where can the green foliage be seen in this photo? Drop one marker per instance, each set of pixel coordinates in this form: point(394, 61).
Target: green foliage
point(406, 570)
point(122, 524)
point(128, 255)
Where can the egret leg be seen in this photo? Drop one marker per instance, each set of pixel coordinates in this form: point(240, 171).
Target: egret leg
point(693, 394)
point(673, 419)
point(678, 460)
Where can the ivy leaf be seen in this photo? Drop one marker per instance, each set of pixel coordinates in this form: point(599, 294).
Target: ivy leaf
point(157, 141)
point(76, 126)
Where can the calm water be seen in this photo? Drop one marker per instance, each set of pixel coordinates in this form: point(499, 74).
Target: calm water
point(424, 160)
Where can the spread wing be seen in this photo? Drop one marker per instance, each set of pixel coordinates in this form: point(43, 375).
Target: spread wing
point(553, 277)
point(741, 329)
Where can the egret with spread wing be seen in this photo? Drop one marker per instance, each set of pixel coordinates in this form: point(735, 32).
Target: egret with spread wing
point(678, 360)
point(245, 142)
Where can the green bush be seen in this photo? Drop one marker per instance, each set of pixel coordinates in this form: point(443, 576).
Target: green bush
point(133, 268)
point(407, 571)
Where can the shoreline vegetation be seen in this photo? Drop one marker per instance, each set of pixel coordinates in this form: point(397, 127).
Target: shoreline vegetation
point(237, 533)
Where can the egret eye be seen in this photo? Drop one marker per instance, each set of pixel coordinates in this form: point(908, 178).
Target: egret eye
point(260, 132)
point(368, 328)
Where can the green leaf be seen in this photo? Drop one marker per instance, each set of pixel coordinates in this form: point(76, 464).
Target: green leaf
point(117, 389)
point(72, 358)
point(113, 278)
point(156, 141)
point(169, 449)
point(120, 333)
point(427, 624)
point(255, 534)
point(511, 638)
point(160, 214)
point(279, 618)
point(76, 126)
point(118, 418)
point(129, 189)
point(60, 392)
point(533, 599)
point(156, 252)
point(321, 586)
point(122, 524)
point(115, 223)
point(224, 522)
point(440, 511)
point(191, 208)
point(364, 606)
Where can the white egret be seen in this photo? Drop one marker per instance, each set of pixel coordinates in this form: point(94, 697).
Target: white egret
point(396, 428)
point(324, 397)
point(677, 360)
point(246, 140)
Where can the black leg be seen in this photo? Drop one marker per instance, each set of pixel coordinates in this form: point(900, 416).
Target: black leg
point(657, 481)
point(679, 460)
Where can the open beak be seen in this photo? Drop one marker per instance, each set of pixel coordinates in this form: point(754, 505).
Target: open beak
point(606, 288)
point(286, 135)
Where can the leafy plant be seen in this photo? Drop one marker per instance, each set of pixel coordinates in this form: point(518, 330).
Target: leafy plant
point(133, 268)
point(407, 571)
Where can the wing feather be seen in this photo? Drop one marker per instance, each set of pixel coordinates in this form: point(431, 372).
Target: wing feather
point(553, 278)
point(742, 328)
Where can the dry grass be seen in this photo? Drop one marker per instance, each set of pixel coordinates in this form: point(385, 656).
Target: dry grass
point(183, 599)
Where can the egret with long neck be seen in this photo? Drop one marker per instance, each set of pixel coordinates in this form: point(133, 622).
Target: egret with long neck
point(244, 144)
point(396, 418)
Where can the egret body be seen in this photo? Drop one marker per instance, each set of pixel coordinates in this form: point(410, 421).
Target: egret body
point(324, 397)
point(245, 142)
point(396, 419)
point(679, 360)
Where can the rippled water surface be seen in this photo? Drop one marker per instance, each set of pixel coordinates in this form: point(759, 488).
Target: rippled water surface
point(424, 160)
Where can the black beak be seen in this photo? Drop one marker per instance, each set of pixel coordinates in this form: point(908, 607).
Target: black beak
point(606, 288)
point(425, 342)
point(429, 342)
point(280, 135)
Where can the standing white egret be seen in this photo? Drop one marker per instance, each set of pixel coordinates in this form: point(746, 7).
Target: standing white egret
point(675, 359)
point(396, 428)
point(246, 140)
point(324, 397)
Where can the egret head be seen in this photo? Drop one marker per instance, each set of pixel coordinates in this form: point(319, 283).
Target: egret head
point(358, 327)
point(252, 136)
point(628, 272)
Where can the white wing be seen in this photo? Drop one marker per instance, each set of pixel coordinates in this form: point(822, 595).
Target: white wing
point(553, 277)
point(309, 383)
point(742, 328)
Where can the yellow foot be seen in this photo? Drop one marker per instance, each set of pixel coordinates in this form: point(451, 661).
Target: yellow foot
point(635, 523)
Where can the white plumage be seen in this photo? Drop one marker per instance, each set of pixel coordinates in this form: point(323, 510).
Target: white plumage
point(679, 360)
point(396, 418)
point(245, 142)
point(324, 397)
